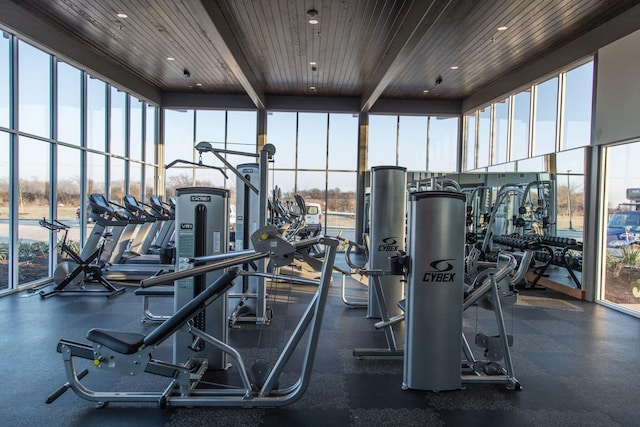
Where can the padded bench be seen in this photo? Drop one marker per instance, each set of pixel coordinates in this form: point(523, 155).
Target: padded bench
point(153, 292)
point(561, 252)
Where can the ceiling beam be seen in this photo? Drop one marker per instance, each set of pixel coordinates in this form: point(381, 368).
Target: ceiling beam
point(214, 22)
point(421, 18)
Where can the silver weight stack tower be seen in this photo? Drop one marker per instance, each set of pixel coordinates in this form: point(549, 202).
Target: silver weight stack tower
point(387, 234)
point(435, 290)
point(202, 229)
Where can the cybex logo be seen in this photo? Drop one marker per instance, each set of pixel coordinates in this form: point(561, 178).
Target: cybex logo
point(441, 271)
point(186, 226)
point(200, 198)
point(389, 244)
point(247, 170)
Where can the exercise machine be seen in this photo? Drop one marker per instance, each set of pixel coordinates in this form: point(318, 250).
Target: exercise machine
point(106, 217)
point(74, 272)
point(437, 296)
point(248, 300)
point(202, 219)
point(130, 354)
point(387, 235)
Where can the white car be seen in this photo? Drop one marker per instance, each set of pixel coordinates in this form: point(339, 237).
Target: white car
point(313, 218)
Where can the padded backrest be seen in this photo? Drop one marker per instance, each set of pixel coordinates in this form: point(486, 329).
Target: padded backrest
point(190, 309)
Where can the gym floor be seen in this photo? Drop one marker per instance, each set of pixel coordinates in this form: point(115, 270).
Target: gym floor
point(577, 363)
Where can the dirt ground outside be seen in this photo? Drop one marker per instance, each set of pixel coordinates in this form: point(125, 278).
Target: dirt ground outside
point(619, 287)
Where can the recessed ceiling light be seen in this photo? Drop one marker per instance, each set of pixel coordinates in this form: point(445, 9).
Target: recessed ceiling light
point(425, 91)
point(198, 84)
point(502, 28)
point(312, 15)
point(313, 63)
point(122, 15)
point(312, 88)
point(454, 67)
point(170, 58)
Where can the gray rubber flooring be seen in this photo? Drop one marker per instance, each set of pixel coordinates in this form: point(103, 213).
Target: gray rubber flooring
point(577, 363)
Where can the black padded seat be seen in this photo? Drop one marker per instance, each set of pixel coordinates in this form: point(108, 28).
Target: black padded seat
point(122, 342)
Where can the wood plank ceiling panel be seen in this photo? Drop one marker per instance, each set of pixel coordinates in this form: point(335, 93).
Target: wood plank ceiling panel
point(153, 31)
point(357, 46)
point(464, 38)
point(346, 45)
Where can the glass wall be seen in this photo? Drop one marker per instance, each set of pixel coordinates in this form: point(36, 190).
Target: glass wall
point(316, 157)
point(418, 143)
point(33, 204)
point(470, 142)
point(443, 144)
point(620, 283)
point(69, 98)
point(5, 83)
point(501, 139)
point(520, 125)
point(546, 112)
point(59, 152)
point(484, 137)
point(519, 133)
point(34, 87)
point(578, 100)
point(5, 182)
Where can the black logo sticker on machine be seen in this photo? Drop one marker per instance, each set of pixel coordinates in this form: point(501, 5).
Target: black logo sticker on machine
point(389, 244)
point(200, 198)
point(441, 271)
point(186, 226)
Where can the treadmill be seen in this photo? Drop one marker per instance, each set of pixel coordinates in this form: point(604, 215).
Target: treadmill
point(128, 271)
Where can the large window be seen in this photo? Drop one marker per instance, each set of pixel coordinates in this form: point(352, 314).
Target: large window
point(412, 143)
point(443, 144)
point(135, 128)
point(96, 114)
point(69, 104)
point(117, 134)
point(52, 156)
point(281, 132)
point(383, 135)
point(501, 138)
point(33, 205)
point(546, 112)
point(178, 145)
point(5, 83)
point(620, 260)
point(578, 96)
point(470, 142)
point(521, 125)
point(312, 141)
point(484, 137)
point(5, 246)
point(325, 172)
point(34, 86)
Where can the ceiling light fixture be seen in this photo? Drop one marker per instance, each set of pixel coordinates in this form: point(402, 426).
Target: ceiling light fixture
point(425, 91)
point(312, 88)
point(199, 84)
point(122, 15)
point(170, 58)
point(312, 15)
point(313, 63)
point(504, 27)
point(454, 67)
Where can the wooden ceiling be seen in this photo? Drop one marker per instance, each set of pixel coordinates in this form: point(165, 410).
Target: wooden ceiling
point(363, 49)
